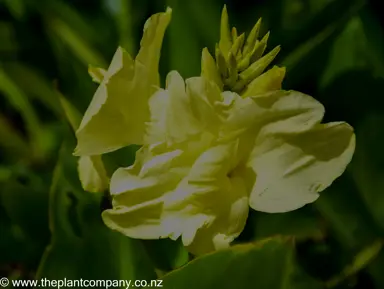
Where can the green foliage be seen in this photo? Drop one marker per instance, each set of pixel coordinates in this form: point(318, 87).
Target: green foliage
point(50, 227)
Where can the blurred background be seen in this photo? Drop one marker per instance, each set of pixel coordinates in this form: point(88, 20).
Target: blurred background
point(333, 50)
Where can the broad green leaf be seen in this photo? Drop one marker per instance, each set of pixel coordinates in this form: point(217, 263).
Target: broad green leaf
point(242, 266)
point(81, 245)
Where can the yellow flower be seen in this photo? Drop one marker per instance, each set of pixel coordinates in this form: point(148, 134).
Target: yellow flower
point(213, 154)
point(209, 153)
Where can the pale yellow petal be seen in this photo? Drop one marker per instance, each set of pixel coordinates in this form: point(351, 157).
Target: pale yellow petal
point(92, 174)
point(204, 96)
point(209, 207)
point(119, 109)
point(279, 112)
point(138, 192)
point(172, 121)
point(141, 222)
point(291, 170)
point(151, 43)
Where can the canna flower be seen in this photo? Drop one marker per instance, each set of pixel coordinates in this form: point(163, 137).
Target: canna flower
point(212, 149)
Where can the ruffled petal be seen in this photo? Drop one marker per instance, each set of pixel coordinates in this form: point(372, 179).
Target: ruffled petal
point(203, 95)
point(142, 221)
point(209, 208)
point(291, 170)
point(171, 119)
point(138, 192)
point(279, 112)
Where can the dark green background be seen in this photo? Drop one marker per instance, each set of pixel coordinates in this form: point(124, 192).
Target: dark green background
point(333, 50)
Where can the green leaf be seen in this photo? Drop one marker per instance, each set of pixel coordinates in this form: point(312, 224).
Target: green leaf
point(16, 7)
point(314, 49)
point(71, 113)
point(75, 42)
point(348, 54)
point(34, 84)
point(361, 260)
point(241, 266)
point(19, 100)
point(81, 245)
point(78, 20)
